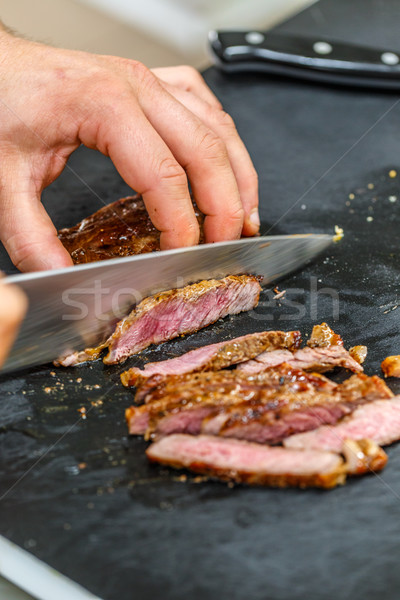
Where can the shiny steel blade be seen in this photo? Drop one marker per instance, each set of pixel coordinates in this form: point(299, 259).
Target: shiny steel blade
point(69, 309)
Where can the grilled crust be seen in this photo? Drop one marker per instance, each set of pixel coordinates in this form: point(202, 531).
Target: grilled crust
point(121, 228)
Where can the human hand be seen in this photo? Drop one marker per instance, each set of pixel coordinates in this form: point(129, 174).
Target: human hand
point(159, 128)
point(13, 306)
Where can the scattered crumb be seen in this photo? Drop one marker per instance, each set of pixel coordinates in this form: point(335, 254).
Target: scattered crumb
point(392, 198)
point(348, 203)
point(82, 465)
point(391, 366)
point(338, 234)
point(53, 373)
point(369, 219)
point(359, 353)
point(278, 294)
point(47, 390)
point(67, 526)
point(351, 196)
point(82, 411)
point(303, 207)
point(96, 386)
point(96, 402)
point(79, 380)
point(90, 505)
point(370, 186)
point(392, 173)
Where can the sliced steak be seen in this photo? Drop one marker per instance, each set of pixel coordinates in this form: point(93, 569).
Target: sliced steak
point(202, 394)
point(173, 313)
point(266, 407)
point(245, 462)
point(215, 356)
point(118, 229)
point(378, 421)
point(309, 359)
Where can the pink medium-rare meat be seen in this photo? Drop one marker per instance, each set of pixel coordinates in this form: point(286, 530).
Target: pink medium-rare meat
point(174, 313)
point(245, 462)
point(215, 356)
point(309, 359)
point(181, 311)
point(378, 421)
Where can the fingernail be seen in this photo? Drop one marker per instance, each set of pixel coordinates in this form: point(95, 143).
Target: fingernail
point(254, 218)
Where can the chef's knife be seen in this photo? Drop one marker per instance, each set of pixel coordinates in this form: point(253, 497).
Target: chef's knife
point(315, 58)
point(70, 308)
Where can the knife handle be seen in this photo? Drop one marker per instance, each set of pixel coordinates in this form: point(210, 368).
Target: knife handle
point(318, 59)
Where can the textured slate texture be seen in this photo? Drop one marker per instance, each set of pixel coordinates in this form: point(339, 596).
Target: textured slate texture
point(80, 495)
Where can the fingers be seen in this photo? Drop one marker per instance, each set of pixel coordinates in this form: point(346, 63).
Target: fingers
point(26, 230)
point(146, 163)
point(246, 176)
point(203, 155)
point(188, 79)
point(13, 306)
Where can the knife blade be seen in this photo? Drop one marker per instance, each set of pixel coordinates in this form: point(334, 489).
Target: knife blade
point(315, 58)
point(69, 309)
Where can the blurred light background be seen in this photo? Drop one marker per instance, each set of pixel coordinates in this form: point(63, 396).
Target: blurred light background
point(155, 32)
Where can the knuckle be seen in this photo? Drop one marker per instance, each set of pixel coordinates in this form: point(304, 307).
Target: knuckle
point(213, 146)
point(225, 120)
point(237, 214)
point(168, 168)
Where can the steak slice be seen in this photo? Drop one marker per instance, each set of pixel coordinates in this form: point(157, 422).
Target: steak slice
point(378, 421)
point(284, 414)
point(266, 407)
point(215, 356)
point(119, 229)
point(173, 313)
point(245, 462)
point(190, 398)
point(309, 359)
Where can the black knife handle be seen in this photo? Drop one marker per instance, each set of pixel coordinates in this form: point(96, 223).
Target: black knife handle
point(305, 57)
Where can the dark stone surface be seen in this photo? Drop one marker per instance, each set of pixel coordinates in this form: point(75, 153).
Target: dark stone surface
point(125, 529)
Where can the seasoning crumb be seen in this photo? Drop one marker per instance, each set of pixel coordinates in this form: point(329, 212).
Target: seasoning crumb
point(47, 390)
point(392, 198)
point(82, 411)
point(52, 373)
point(370, 186)
point(278, 294)
point(96, 386)
point(369, 219)
point(392, 173)
point(351, 196)
point(338, 234)
point(79, 380)
point(96, 402)
point(391, 366)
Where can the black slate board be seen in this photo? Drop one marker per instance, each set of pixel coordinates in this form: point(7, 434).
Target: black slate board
point(125, 529)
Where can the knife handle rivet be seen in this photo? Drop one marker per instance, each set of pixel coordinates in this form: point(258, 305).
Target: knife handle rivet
point(322, 48)
point(254, 37)
point(389, 58)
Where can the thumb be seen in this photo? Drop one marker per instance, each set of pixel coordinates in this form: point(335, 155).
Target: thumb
point(26, 229)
